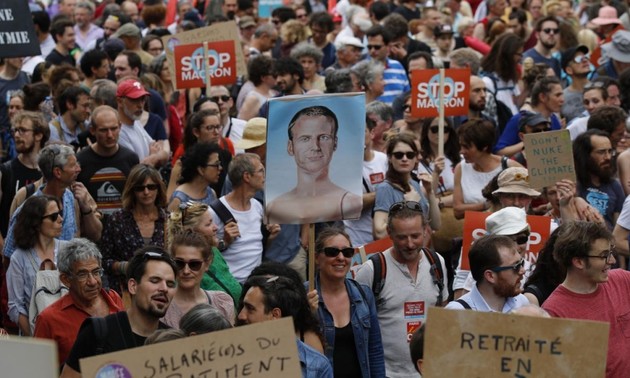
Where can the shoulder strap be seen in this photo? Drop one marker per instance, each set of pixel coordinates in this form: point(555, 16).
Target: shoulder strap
point(222, 211)
point(436, 271)
point(463, 303)
point(100, 332)
point(504, 163)
point(30, 190)
point(380, 271)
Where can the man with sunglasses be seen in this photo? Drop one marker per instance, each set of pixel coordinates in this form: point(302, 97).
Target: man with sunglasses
point(498, 270)
point(79, 264)
point(548, 34)
point(576, 64)
point(592, 290)
point(410, 286)
point(151, 281)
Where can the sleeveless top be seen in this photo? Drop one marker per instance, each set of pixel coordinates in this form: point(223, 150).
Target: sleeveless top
point(473, 182)
point(184, 198)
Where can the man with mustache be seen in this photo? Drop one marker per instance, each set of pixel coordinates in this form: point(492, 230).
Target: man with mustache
point(151, 281)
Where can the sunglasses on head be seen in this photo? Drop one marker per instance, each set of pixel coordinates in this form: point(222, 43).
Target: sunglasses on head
point(194, 265)
point(334, 252)
point(399, 155)
point(551, 30)
point(54, 216)
point(141, 188)
point(412, 205)
point(435, 129)
point(516, 267)
point(223, 98)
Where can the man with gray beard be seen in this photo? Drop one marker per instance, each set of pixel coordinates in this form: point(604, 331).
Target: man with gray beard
point(131, 97)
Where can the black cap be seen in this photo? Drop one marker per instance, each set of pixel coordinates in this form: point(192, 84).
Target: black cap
point(569, 54)
point(531, 119)
point(443, 29)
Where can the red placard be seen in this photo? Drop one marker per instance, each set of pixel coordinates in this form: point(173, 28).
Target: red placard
point(190, 70)
point(425, 92)
point(475, 227)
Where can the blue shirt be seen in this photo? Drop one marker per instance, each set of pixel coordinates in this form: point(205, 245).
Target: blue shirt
point(396, 81)
point(312, 363)
point(551, 62)
point(510, 134)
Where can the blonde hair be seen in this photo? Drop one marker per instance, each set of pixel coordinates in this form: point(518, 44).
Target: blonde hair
point(185, 218)
point(588, 38)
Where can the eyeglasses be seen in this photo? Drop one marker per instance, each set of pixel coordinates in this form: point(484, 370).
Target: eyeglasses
point(435, 129)
point(374, 47)
point(516, 267)
point(411, 205)
point(539, 130)
point(83, 276)
point(216, 164)
point(53, 216)
point(334, 252)
point(223, 98)
point(275, 21)
point(606, 257)
point(520, 239)
point(194, 265)
point(142, 188)
point(580, 58)
point(551, 31)
point(409, 154)
point(212, 128)
point(20, 130)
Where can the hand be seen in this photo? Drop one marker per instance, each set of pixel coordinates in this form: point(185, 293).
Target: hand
point(427, 182)
point(397, 51)
point(82, 196)
point(566, 191)
point(231, 233)
point(155, 147)
point(439, 164)
point(313, 300)
point(274, 230)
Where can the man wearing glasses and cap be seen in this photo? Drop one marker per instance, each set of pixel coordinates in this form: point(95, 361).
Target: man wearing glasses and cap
point(151, 281)
point(411, 284)
point(592, 290)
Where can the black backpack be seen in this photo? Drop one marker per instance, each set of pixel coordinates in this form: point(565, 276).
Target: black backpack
point(380, 272)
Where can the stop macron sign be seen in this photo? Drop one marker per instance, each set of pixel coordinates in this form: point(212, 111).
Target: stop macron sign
point(425, 92)
point(190, 68)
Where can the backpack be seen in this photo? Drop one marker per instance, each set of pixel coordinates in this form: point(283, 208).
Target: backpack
point(380, 272)
point(46, 290)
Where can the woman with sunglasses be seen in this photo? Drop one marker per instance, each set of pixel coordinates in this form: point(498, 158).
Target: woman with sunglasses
point(441, 170)
point(399, 185)
point(346, 310)
point(200, 169)
point(194, 216)
point(139, 223)
point(193, 255)
point(37, 227)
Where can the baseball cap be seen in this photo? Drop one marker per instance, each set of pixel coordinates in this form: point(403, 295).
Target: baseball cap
point(515, 180)
point(568, 54)
point(443, 29)
point(531, 119)
point(127, 30)
point(507, 221)
point(254, 134)
point(344, 41)
point(131, 88)
point(246, 22)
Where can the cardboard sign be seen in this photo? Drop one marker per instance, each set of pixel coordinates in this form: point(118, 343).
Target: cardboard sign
point(317, 174)
point(425, 92)
point(17, 32)
point(484, 344)
point(265, 7)
point(18, 354)
point(220, 32)
point(259, 350)
point(475, 227)
point(549, 158)
point(190, 68)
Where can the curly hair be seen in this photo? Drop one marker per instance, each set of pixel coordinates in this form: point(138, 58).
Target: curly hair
point(258, 68)
point(29, 221)
point(194, 158)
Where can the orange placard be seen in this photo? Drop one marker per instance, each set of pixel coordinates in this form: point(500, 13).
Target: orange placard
point(475, 227)
point(425, 92)
point(190, 68)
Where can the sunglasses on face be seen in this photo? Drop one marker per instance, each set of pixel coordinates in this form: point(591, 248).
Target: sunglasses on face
point(520, 239)
point(539, 130)
point(516, 267)
point(399, 155)
point(223, 98)
point(54, 216)
point(580, 58)
point(194, 265)
point(141, 188)
point(374, 47)
point(551, 31)
point(435, 129)
point(334, 252)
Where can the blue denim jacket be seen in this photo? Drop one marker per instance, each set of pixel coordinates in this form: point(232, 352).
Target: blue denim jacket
point(365, 327)
point(312, 363)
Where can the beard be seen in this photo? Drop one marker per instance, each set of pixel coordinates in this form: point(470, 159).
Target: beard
point(604, 174)
point(23, 148)
point(131, 114)
point(476, 107)
point(548, 45)
point(506, 290)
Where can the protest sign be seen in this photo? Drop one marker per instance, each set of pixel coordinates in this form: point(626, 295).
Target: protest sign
point(17, 356)
point(315, 158)
point(265, 7)
point(425, 92)
point(17, 32)
point(259, 350)
point(475, 227)
point(225, 32)
point(190, 68)
point(549, 158)
point(484, 344)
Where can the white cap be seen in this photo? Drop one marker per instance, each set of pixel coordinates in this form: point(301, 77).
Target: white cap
point(344, 41)
point(507, 221)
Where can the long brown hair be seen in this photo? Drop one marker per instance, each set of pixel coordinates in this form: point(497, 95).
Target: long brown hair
point(392, 175)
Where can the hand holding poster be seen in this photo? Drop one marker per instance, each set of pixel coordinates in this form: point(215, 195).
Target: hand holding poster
point(315, 158)
point(425, 92)
point(259, 350)
point(549, 158)
point(483, 344)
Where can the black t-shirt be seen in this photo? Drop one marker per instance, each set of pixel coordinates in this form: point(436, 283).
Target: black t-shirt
point(14, 176)
point(118, 336)
point(57, 58)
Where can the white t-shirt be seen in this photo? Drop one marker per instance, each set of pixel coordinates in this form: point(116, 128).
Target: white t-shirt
point(447, 176)
point(136, 139)
point(236, 127)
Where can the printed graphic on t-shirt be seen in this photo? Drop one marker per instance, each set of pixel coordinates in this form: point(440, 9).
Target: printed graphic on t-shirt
point(106, 187)
point(598, 200)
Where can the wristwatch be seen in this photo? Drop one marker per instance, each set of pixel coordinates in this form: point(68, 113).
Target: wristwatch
point(222, 246)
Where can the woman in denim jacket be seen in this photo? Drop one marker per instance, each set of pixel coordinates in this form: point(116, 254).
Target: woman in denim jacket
point(347, 311)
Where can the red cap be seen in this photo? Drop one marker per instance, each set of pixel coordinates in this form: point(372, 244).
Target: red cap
point(131, 88)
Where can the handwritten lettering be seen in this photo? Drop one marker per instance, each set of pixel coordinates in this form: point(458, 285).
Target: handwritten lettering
point(506, 343)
